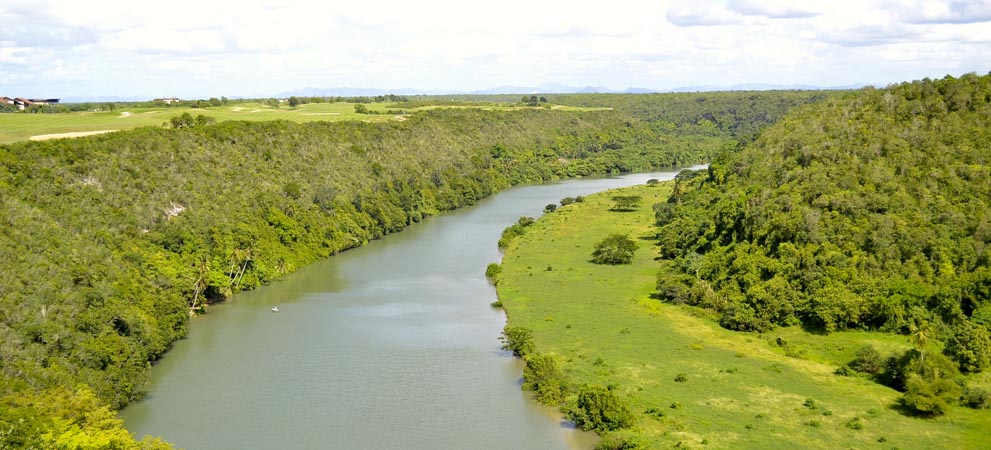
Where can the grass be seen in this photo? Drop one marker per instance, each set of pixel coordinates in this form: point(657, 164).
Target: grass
point(20, 127)
point(739, 390)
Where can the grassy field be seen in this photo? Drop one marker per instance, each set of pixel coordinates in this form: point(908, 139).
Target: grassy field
point(743, 390)
point(20, 127)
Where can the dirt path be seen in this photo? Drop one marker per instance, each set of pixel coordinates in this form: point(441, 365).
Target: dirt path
point(45, 137)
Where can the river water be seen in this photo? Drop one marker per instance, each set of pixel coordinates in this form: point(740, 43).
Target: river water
point(388, 346)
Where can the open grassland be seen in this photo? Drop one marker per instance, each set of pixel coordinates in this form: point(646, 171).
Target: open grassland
point(740, 390)
point(20, 127)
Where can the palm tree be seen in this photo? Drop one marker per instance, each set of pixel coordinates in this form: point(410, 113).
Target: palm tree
point(920, 339)
point(200, 284)
point(244, 265)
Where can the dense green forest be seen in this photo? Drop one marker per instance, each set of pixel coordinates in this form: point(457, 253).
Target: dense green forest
point(738, 113)
point(864, 211)
point(110, 242)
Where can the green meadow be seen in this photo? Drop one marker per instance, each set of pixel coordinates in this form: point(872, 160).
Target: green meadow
point(736, 390)
point(20, 127)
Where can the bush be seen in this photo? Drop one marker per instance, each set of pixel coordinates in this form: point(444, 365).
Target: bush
point(975, 397)
point(492, 272)
point(542, 375)
point(550, 208)
point(518, 340)
point(620, 441)
point(598, 409)
point(514, 230)
point(681, 378)
point(929, 397)
point(868, 360)
point(614, 249)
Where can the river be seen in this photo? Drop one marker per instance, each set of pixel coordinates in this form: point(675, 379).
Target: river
point(389, 346)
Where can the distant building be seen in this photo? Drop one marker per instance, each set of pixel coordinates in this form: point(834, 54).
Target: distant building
point(167, 100)
point(22, 102)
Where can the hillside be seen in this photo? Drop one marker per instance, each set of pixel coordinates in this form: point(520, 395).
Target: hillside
point(866, 212)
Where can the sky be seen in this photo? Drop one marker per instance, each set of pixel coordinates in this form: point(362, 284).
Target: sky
point(208, 48)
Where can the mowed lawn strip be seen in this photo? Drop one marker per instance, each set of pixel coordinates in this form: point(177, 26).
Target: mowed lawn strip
point(742, 390)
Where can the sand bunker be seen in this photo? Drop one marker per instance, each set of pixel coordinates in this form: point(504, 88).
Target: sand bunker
point(124, 114)
point(45, 137)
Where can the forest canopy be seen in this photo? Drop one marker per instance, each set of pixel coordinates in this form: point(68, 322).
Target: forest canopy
point(865, 211)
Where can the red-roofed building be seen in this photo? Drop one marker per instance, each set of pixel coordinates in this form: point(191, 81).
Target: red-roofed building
point(22, 102)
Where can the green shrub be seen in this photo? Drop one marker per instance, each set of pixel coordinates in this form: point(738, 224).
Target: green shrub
point(518, 340)
point(976, 397)
point(598, 409)
point(543, 376)
point(868, 360)
point(855, 424)
point(514, 230)
point(492, 272)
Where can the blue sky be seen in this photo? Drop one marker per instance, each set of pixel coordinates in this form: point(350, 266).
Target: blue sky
point(204, 48)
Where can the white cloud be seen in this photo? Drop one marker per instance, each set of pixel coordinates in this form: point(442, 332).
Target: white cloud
point(688, 14)
point(259, 47)
point(953, 11)
point(775, 9)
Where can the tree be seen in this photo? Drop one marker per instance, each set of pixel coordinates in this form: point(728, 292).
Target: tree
point(184, 121)
point(202, 120)
point(360, 109)
point(970, 347)
point(293, 102)
point(625, 202)
point(931, 385)
point(920, 339)
point(199, 285)
point(614, 249)
point(598, 409)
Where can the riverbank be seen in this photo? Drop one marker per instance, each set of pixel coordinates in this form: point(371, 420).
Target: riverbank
point(687, 381)
point(399, 330)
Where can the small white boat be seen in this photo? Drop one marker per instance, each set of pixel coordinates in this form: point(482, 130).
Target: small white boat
point(275, 309)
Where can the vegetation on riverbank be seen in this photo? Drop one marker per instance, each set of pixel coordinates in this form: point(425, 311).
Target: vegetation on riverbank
point(110, 241)
point(687, 381)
